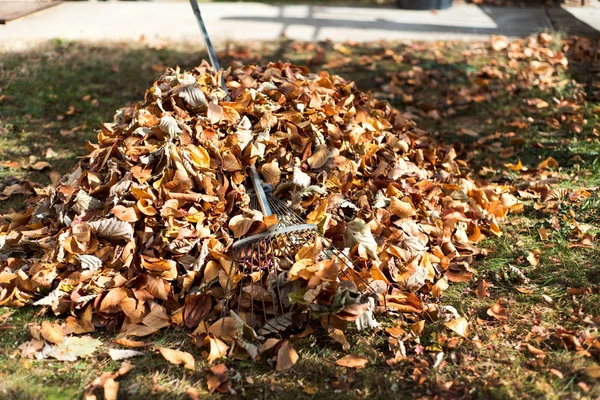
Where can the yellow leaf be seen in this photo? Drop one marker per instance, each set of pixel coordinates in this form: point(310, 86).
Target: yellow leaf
point(514, 167)
point(548, 163)
point(199, 156)
point(301, 269)
point(417, 327)
point(544, 233)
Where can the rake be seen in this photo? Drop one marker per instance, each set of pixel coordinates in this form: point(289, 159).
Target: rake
point(258, 287)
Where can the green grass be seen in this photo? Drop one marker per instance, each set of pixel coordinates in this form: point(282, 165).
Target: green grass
point(40, 86)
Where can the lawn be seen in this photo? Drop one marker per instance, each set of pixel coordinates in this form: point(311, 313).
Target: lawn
point(533, 306)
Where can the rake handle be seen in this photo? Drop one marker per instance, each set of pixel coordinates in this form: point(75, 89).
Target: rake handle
point(209, 48)
point(260, 192)
point(256, 182)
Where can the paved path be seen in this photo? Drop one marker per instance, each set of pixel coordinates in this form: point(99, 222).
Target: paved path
point(257, 21)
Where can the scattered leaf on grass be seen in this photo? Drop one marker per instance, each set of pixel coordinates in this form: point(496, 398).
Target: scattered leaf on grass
point(75, 347)
point(459, 325)
point(482, 287)
point(52, 332)
point(40, 165)
point(338, 336)
point(593, 371)
point(217, 379)
point(352, 361)
point(286, 357)
point(129, 343)
point(178, 357)
point(498, 312)
point(218, 348)
point(118, 354)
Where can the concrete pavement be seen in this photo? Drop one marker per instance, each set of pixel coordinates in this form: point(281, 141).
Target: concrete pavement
point(156, 21)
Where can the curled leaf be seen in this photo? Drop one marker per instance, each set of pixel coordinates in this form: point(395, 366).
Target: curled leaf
point(178, 357)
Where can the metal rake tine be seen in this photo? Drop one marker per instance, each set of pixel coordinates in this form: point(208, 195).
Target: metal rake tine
point(277, 284)
point(345, 260)
point(228, 289)
point(262, 294)
point(241, 282)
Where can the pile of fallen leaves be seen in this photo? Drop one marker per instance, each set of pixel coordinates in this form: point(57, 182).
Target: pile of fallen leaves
point(137, 237)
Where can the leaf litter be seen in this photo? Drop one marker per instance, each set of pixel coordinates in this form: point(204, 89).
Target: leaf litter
point(139, 233)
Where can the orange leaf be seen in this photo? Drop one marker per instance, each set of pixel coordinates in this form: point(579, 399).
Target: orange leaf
point(548, 163)
point(127, 214)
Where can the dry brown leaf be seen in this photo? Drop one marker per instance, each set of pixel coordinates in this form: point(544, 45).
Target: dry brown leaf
point(498, 312)
point(127, 214)
point(111, 389)
point(178, 357)
point(40, 165)
point(129, 343)
point(417, 327)
point(459, 325)
point(498, 42)
point(482, 287)
point(352, 361)
point(217, 379)
point(593, 371)
point(544, 233)
point(534, 350)
point(286, 357)
point(338, 336)
point(215, 113)
point(52, 332)
point(197, 307)
point(548, 163)
point(271, 172)
point(400, 208)
point(218, 349)
point(319, 157)
point(438, 288)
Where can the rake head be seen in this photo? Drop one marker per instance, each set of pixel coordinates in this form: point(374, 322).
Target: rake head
point(283, 275)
